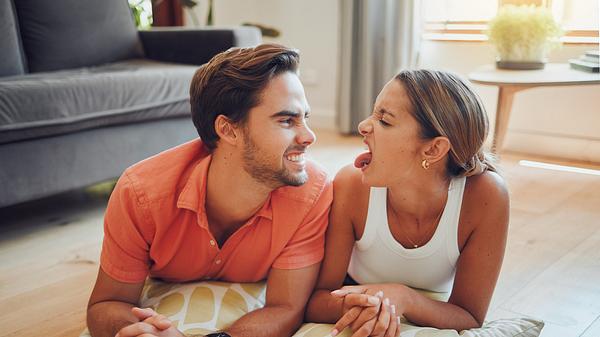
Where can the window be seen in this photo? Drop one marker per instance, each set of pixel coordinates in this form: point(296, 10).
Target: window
point(467, 19)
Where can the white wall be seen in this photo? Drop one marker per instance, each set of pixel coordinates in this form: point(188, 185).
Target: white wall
point(308, 25)
point(560, 122)
point(551, 121)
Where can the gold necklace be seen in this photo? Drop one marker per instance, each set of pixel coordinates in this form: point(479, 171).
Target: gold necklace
point(434, 225)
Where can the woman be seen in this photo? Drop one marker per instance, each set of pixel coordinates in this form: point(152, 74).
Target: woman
point(422, 209)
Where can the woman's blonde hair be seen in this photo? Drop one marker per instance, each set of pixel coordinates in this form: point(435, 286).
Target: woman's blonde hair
point(445, 105)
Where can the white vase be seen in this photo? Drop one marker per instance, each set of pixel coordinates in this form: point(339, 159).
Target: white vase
point(522, 57)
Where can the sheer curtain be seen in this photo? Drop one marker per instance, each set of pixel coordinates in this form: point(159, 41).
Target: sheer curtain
point(378, 38)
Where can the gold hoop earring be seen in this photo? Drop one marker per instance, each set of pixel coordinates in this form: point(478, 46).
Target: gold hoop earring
point(425, 164)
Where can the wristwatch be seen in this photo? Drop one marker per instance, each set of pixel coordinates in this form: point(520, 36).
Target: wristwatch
point(218, 334)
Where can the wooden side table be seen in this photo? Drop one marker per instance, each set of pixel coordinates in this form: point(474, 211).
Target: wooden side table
point(510, 82)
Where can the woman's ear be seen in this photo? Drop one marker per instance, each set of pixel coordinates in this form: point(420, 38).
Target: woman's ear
point(436, 149)
point(226, 130)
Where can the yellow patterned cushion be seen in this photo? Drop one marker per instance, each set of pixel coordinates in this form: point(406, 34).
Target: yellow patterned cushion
point(204, 307)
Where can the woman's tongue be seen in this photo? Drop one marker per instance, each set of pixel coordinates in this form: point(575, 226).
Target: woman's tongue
point(363, 160)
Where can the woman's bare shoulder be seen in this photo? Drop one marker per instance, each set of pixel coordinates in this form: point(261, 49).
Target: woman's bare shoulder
point(486, 198)
point(349, 191)
point(488, 187)
point(349, 180)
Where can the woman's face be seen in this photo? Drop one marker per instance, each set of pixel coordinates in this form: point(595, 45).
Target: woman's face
point(392, 135)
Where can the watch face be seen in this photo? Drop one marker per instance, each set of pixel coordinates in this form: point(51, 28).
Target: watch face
point(218, 334)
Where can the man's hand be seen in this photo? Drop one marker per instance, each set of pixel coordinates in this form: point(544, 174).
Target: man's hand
point(375, 320)
point(151, 324)
point(150, 316)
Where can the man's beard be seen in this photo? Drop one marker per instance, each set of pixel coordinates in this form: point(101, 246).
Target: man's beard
point(257, 166)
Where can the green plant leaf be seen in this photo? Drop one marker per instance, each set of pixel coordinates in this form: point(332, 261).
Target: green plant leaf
point(524, 32)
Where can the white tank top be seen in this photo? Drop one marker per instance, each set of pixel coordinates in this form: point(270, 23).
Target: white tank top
point(378, 258)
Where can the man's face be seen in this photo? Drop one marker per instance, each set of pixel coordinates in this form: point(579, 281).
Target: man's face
point(276, 135)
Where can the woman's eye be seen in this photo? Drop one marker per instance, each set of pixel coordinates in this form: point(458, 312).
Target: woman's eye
point(384, 123)
point(379, 117)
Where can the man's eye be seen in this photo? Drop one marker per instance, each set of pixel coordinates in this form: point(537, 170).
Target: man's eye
point(288, 121)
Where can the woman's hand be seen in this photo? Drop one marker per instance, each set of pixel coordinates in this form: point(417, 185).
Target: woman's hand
point(151, 324)
point(377, 320)
point(387, 323)
point(357, 309)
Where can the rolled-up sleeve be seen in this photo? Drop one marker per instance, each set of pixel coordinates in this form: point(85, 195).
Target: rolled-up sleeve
point(127, 224)
point(307, 245)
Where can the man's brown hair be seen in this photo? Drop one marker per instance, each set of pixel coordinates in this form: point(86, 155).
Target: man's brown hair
point(231, 83)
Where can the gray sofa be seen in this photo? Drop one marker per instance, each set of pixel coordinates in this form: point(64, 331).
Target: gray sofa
point(83, 94)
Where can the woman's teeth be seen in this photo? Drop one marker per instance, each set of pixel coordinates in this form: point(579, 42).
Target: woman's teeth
point(295, 157)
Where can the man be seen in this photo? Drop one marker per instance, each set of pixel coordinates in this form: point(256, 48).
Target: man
point(241, 205)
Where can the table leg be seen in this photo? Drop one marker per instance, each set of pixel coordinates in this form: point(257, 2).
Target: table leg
point(505, 100)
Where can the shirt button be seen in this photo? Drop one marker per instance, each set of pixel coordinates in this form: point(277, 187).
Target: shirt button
point(212, 242)
point(218, 261)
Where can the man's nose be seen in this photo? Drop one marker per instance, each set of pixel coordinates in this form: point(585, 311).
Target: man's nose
point(305, 136)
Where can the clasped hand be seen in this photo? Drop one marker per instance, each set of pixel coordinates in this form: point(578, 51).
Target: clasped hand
point(151, 324)
point(368, 312)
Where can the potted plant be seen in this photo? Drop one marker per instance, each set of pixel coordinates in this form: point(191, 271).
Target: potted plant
point(523, 36)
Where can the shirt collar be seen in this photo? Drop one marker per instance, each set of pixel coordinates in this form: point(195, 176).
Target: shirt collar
point(193, 194)
point(266, 211)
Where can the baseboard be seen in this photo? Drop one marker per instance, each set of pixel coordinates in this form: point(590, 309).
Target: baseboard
point(551, 145)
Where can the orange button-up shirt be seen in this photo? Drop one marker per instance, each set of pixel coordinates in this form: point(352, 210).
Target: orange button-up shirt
point(156, 224)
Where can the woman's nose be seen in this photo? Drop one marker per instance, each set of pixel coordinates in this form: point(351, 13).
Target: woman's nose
point(365, 127)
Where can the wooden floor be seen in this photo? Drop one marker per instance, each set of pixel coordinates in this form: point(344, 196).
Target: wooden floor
point(49, 251)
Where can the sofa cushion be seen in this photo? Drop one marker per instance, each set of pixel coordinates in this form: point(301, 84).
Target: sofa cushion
point(11, 62)
point(64, 34)
point(46, 104)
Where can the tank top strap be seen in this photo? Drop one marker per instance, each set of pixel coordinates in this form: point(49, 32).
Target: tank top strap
point(455, 197)
point(375, 214)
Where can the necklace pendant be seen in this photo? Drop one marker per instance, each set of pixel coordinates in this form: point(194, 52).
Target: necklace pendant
point(416, 246)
